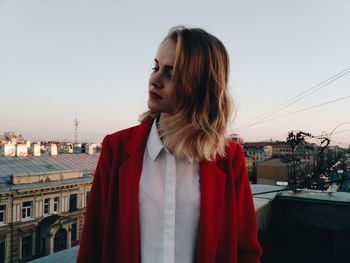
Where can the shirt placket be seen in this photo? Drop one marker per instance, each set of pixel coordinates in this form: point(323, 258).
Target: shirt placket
point(169, 210)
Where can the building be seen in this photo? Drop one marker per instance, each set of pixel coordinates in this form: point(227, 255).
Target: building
point(258, 152)
point(278, 171)
point(250, 166)
point(274, 172)
point(254, 154)
point(12, 137)
point(13, 145)
point(278, 148)
point(42, 203)
point(236, 138)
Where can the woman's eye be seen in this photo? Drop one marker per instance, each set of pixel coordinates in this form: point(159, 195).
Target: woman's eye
point(169, 74)
point(155, 69)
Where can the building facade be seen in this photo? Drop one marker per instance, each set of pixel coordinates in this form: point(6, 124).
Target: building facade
point(42, 204)
point(279, 171)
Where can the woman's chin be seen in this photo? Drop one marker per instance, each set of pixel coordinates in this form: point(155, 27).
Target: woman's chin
point(152, 106)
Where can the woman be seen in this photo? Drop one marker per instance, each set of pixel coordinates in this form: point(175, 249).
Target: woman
point(174, 188)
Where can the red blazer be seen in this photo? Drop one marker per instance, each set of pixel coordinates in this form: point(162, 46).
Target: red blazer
point(227, 225)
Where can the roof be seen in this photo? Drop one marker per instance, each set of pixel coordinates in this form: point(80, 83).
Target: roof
point(52, 219)
point(273, 144)
point(46, 164)
point(261, 200)
point(273, 162)
point(64, 256)
point(253, 147)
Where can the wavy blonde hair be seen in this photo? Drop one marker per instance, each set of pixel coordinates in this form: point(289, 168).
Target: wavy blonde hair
point(197, 130)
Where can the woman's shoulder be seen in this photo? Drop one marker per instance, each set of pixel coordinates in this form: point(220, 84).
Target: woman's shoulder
point(124, 133)
point(122, 136)
point(234, 150)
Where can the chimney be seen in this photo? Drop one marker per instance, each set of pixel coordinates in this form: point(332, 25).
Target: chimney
point(22, 150)
point(52, 149)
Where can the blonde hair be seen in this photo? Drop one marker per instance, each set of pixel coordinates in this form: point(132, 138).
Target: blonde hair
point(197, 130)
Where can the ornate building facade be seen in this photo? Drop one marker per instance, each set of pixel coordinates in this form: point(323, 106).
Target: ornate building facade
point(42, 204)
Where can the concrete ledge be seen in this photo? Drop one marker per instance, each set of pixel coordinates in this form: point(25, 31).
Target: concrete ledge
point(262, 203)
point(64, 256)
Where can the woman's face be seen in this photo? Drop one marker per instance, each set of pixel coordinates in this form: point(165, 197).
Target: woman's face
point(161, 90)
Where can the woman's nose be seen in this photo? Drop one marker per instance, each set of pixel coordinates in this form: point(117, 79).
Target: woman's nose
point(156, 80)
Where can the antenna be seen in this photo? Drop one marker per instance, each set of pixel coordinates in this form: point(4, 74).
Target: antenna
point(76, 123)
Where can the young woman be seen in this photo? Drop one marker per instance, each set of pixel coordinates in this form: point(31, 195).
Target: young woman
point(174, 188)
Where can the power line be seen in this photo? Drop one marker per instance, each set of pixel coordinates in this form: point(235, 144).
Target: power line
point(290, 113)
point(17, 130)
point(298, 97)
point(329, 134)
point(7, 125)
point(336, 127)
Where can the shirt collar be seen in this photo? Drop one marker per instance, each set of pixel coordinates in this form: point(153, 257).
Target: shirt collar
point(155, 145)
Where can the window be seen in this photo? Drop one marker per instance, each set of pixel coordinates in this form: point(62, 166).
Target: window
point(2, 213)
point(27, 209)
point(56, 201)
point(42, 245)
point(26, 246)
point(46, 205)
point(73, 202)
point(87, 196)
point(74, 232)
point(60, 240)
point(2, 252)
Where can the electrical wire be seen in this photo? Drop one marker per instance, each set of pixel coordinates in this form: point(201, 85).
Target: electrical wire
point(329, 134)
point(290, 113)
point(7, 125)
point(297, 98)
point(340, 124)
point(18, 131)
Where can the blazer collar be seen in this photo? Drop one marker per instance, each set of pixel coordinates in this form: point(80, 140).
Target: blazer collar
point(138, 139)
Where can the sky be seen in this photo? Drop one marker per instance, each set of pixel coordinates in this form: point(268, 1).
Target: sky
point(92, 59)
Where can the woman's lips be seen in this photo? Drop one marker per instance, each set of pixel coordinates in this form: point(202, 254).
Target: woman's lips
point(154, 95)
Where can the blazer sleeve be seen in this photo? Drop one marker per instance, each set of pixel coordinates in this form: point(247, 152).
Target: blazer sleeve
point(91, 240)
point(249, 250)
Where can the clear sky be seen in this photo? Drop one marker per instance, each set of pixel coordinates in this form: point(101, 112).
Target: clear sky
point(92, 59)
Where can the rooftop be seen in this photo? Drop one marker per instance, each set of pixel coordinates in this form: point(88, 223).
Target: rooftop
point(274, 162)
point(64, 256)
point(46, 164)
point(273, 144)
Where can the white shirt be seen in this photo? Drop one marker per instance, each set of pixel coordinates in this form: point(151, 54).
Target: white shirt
point(169, 205)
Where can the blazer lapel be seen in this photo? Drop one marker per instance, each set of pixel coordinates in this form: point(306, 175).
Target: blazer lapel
point(212, 187)
point(129, 178)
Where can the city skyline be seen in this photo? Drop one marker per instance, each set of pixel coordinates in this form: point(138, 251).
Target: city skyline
point(92, 59)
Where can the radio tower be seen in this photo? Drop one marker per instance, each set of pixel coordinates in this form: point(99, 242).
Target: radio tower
point(76, 123)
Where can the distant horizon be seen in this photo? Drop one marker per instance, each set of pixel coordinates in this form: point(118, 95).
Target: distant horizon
point(62, 139)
